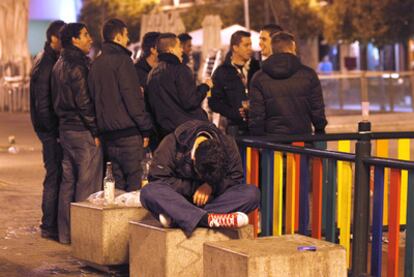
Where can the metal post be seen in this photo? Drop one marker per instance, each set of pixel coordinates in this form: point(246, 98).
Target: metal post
point(361, 202)
point(246, 14)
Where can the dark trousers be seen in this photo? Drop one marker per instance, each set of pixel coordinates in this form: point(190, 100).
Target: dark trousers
point(52, 162)
point(82, 167)
point(126, 155)
point(161, 198)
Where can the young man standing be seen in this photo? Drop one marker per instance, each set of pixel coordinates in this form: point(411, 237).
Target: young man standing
point(173, 95)
point(285, 95)
point(45, 124)
point(265, 38)
point(149, 57)
point(82, 155)
point(185, 40)
point(122, 120)
point(231, 81)
point(196, 179)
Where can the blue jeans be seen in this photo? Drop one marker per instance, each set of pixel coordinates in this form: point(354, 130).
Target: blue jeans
point(82, 167)
point(52, 162)
point(161, 198)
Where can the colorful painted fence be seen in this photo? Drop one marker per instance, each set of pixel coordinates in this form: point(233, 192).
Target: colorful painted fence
point(310, 191)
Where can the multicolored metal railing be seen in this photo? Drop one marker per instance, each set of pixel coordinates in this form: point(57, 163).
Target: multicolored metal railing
point(286, 174)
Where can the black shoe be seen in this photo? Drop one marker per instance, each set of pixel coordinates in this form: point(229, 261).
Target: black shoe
point(52, 235)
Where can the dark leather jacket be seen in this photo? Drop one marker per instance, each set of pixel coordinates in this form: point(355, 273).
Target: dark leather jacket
point(43, 117)
point(71, 98)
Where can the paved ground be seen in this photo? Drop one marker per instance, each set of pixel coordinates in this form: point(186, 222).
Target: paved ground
point(22, 251)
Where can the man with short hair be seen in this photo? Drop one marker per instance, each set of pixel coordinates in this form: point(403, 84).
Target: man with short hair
point(45, 124)
point(173, 95)
point(231, 80)
point(285, 95)
point(196, 179)
point(122, 120)
point(265, 38)
point(149, 57)
point(185, 40)
point(82, 163)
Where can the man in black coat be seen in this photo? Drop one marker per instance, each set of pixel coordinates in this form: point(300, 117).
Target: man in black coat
point(122, 120)
point(147, 61)
point(149, 57)
point(82, 163)
point(285, 95)
point(172, 92)
point(196, 179)
point(231, 81)
point(45, 124)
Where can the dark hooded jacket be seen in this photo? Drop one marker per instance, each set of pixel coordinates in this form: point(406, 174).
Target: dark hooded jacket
point(116, 91)
point(286, 98)
point(229, 91)
point(44, 119)
point(71, 98)
point(173, 166)
point(173, 95)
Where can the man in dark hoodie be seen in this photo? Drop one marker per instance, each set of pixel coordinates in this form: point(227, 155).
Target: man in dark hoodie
point(230, 83)
point(45, 124)
point(122, 120)
point(172, 93)
point(285, 95)
point(82, 154)
point(196, 179)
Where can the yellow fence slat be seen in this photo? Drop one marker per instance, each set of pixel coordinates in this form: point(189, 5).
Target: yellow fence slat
point(343, 146)
point(344, 181)
point(277, 193)
point(382, 146)
point(404, 154)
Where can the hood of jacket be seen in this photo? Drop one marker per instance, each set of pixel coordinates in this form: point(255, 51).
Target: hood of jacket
point(186, 133)
point(281, 66)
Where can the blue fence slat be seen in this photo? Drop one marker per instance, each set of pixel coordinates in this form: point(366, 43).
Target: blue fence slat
point(304, 195)
point(266, 164)
point(376, 255)
point(331, 202)
point(409, 243)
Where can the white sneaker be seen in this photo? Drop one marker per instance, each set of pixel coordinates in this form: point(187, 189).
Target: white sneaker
point(231, 220)
point(164, 220)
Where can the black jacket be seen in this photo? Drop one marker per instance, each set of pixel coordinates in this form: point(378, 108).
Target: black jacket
point(116, 92)
point(173, 95)
point(70, 94)
point(173, 166)
point(229, 91)
point(143, 69)
point(286, 98)
point(43, 117)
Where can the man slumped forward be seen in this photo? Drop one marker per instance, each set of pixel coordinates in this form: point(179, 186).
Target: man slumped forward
point(196, 179)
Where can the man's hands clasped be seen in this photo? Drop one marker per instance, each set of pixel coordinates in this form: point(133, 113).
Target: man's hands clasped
point(202, 195)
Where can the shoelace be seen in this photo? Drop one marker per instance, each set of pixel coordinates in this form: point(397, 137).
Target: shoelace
point(223, 220)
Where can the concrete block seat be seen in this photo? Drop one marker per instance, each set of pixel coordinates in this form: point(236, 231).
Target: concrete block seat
point(274, 256)
point(166, 252)
point(99, 234)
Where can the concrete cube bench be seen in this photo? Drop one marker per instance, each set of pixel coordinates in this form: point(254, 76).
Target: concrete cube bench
point(99, 235)
point(166, 252)
point(274, 256)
